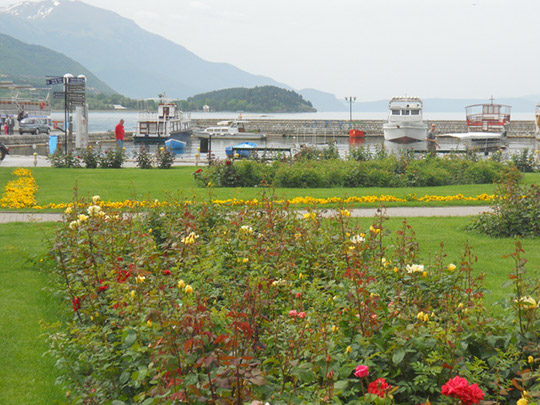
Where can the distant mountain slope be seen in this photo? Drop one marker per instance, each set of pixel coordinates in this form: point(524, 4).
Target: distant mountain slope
point(258, 99)
point(131, 60)
point(30, 64)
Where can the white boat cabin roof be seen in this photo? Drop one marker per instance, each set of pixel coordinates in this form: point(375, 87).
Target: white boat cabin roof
point(401, 107)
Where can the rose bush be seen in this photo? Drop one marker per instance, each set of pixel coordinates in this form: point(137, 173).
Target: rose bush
point(197, 303)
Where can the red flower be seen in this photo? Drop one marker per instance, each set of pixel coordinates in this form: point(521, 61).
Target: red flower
point(76, 303)
point(123, 276)
point(198, 171)
point(379, 387)
point(102, 287)
point(167, 272)
point(301, 315)
point(458, 387)
point(228, 162)
point(293, 313)
point(361, 371)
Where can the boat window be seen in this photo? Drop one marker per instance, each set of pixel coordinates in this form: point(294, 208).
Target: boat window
point(395, 112)
point(415, 112)
point(405, 112)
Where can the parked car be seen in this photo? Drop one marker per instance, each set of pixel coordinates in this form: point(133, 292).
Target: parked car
point(34, 126)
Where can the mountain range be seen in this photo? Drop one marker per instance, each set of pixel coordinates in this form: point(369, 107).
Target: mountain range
point(114, 50)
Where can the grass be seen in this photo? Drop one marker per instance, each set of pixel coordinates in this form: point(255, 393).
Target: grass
point(59, 185)
point(26, 377)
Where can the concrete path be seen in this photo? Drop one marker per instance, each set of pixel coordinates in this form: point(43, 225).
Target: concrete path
point(403, 212)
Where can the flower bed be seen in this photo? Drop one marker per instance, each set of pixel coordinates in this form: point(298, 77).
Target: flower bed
point(21, 192)
point(202, 304)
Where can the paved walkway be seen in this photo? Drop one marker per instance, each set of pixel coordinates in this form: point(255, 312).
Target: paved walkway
point(404, 212)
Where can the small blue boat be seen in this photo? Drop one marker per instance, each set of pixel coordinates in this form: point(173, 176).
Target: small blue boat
point(243, 149)
point(175, 144)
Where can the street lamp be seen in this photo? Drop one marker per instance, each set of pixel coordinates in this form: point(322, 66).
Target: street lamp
point(350, 100)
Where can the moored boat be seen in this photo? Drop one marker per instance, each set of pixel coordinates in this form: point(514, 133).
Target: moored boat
point(175, 144)
point(168, 122)
point(244, 149)
point(405, 120)
point(235, 129)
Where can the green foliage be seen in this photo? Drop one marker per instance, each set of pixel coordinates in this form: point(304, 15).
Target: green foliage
point(197, 303)
point(112, 158)
point(89, 157)
point(515, 211)
point(61, 159)
point(258, 99)
point(322, 168)
point(164, 158)
point(143, 158)
point(525, 161)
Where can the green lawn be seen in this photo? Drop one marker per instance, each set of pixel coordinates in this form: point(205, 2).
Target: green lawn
point(26, 377)
point(59, 185)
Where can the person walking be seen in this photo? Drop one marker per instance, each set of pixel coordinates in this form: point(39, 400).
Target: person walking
point(431, 140)
point(119, 132)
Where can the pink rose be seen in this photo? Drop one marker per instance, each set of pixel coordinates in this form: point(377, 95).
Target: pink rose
point(293, 313)
point(361, 371)
point(301, 315)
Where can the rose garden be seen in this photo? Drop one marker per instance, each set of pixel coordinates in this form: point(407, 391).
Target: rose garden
point(230, 301)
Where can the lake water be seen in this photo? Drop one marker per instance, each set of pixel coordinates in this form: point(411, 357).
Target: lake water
point(102, 121)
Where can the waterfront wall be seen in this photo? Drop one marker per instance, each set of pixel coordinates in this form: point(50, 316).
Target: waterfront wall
point(338, 127)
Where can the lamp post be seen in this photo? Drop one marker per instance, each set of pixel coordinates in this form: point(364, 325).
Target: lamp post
point(350, 100)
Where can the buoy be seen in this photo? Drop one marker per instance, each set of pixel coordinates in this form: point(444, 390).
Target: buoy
point(42, 105)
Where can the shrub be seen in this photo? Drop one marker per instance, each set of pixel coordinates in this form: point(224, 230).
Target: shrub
point(89, 157)
point(515, 210)
point(112, 158)
point(164, 158)
point(143, 158)
point(198, 304)
point(61, 159)
point(524, 161)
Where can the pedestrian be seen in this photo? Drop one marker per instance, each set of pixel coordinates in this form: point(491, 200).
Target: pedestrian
point(119, 132)
point(11, 125)
point(431, 140)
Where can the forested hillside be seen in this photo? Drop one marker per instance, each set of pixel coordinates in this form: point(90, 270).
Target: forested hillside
point(258, 99)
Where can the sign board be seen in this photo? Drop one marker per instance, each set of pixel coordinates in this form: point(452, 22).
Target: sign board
point(75, 87)
point(54, 80)
point(77, 80)
point(59, 94)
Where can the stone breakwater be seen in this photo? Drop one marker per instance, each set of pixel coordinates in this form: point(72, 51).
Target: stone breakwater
point(340, 127)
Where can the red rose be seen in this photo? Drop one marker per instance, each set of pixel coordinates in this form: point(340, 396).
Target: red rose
point(379, 387)
point(167, 273)
point(458, 387)
point(361, 371)
point(76, 303)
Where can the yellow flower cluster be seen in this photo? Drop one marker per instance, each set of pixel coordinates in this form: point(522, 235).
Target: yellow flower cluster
point(20, 193)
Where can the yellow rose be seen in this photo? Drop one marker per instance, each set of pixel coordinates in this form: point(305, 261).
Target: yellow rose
point(451, 267)
point(181, 284)
point(522, 401)
point(188, 289)
point(348, 349)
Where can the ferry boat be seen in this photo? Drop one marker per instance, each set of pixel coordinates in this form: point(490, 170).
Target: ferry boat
point(168, 122)
point(405, 120)
point(487, 126)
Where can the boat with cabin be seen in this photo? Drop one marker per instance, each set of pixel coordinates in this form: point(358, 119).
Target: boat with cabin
point(168, 122)
point(244, 149)
point(487, 121)
point(235, 129)
point(405, 120)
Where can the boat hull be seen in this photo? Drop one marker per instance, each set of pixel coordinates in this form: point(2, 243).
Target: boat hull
point(405, 132)
point(239, 136)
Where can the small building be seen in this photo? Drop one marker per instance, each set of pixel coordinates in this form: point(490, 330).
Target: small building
point(206, 108)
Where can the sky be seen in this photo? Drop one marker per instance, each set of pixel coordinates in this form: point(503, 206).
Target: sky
point(369, 49)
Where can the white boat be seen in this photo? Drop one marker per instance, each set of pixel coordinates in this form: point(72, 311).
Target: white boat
point(234, 129)
point(168, 122)
point(405, 120)
point(175, 144)
point(24, 101)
